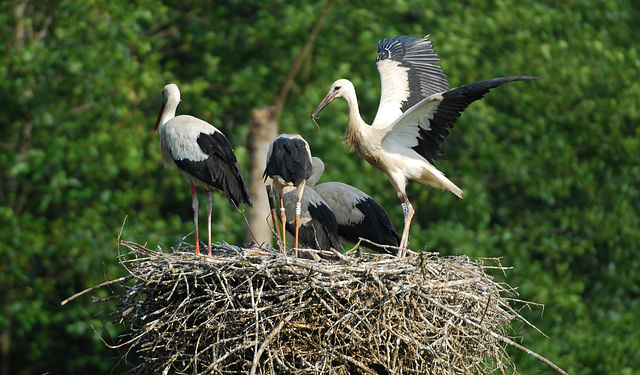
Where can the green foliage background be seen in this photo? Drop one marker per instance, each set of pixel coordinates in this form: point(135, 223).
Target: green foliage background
point(550, 169)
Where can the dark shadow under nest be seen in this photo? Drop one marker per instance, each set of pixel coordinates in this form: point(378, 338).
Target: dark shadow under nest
point(258, 311)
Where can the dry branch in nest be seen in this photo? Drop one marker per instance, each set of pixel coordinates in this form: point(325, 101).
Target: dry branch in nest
point(258, 311)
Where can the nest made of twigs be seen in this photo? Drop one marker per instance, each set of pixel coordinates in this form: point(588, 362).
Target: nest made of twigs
point(259, 311)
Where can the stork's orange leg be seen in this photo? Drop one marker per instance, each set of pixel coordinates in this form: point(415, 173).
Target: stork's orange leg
point(297, 224)
point(300, 189)
point(283, 220)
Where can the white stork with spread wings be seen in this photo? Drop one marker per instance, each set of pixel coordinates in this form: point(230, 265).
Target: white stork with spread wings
point(416, 110)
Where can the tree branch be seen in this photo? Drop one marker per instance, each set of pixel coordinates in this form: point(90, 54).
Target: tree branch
point(304, 52)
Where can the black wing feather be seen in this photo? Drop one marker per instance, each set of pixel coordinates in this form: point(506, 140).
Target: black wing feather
point(321, 232)
point(454, 102)
point(290, 160)
point(220, 169)
point(376, 227)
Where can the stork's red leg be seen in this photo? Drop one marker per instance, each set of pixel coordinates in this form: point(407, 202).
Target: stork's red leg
point(209, 208)
point(194, 205)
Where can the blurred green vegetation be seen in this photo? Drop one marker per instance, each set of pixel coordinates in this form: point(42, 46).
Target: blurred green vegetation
point(550, 169)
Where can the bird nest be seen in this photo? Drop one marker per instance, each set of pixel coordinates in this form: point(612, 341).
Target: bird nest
point(259, 311)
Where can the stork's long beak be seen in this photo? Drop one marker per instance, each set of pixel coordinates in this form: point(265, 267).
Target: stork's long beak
point(159, 117)
point(325, 102)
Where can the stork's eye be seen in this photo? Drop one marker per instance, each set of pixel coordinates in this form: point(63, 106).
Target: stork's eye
point(337, 88)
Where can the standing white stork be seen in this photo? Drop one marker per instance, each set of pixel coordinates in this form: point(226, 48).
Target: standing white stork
point(357, 214)
point(202, 154)
point(415, 113)
point(289, 164)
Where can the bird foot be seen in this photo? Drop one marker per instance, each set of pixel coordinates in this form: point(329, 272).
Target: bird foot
point(200, 244)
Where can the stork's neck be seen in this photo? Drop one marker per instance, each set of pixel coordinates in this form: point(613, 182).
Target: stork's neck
point(318, 169)
point(169, 111)
point(357, 126)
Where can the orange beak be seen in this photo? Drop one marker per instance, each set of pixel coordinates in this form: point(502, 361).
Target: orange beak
point(325, 102)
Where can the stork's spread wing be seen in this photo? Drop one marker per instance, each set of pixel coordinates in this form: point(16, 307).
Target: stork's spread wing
point(408, 74)
point(424, 126)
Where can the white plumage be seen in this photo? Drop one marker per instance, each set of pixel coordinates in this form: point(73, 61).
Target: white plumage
point(416, 111)
point(177, 139)
point(203, 155)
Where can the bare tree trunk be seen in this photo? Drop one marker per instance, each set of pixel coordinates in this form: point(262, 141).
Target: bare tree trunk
point(19, 42)
point(263, 129)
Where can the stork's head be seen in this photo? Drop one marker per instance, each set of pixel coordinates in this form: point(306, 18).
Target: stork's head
point(170, 100)
point(338, 89)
